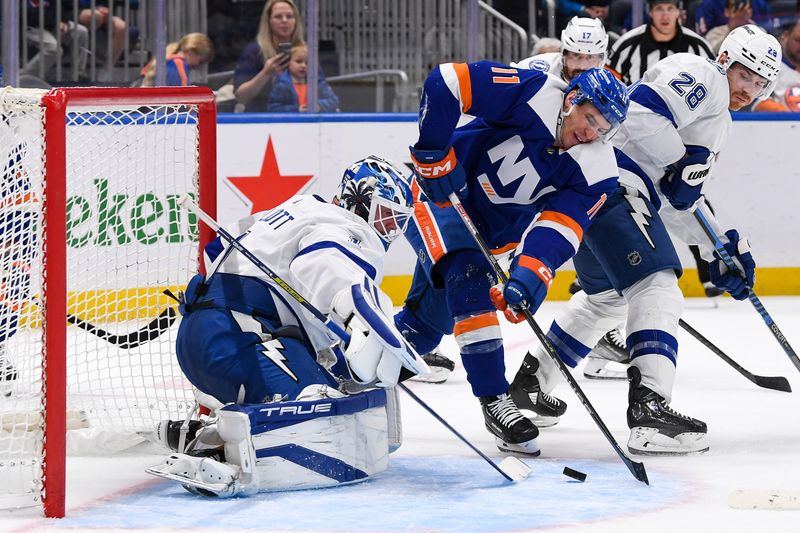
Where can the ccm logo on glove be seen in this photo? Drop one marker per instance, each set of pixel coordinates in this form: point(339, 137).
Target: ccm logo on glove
point(437, 168)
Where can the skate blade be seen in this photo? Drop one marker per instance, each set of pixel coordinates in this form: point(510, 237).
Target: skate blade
point(437, 375)
point(213, 490)
point(606, 376)
point(529, 448)
point(541, 422)
point(648, 441)
point(605, 368)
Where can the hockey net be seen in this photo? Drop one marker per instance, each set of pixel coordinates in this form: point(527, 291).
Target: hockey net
point(91, 232)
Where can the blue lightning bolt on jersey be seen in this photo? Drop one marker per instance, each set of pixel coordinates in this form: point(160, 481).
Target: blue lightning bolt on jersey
point(521, 188)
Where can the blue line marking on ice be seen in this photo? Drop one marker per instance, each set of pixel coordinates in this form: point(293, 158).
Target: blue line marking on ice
point(447, 494)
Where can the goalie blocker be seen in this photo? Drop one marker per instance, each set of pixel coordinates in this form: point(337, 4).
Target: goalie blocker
point(323, 439)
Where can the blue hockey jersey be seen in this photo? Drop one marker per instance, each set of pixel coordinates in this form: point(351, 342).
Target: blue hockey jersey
point(521, 188)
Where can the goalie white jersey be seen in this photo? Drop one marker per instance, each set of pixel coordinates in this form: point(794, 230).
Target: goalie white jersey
point(318, 248)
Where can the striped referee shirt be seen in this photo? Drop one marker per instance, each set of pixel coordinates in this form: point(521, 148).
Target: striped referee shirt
point(636, 51)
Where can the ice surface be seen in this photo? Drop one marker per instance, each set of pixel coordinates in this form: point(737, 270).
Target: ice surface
point(436, 483)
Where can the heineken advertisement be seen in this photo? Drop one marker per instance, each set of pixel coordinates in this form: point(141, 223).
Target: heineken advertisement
point(106, 219)
point(127, 236)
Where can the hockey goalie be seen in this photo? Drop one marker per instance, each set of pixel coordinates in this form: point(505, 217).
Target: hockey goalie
point(293, 407)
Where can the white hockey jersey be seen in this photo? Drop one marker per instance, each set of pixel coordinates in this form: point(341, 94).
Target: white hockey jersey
point(550, 62)
point(682, 100)
point(317, 248)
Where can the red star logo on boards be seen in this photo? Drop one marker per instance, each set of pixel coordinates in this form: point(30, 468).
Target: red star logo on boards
point(269, 188)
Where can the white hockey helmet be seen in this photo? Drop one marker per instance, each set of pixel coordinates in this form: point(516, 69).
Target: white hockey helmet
point(584, 36)
point(752, 47)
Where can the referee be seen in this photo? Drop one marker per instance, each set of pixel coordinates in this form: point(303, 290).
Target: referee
point(642, 47)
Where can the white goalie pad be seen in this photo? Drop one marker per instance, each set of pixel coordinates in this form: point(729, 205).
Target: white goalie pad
point(323, 439)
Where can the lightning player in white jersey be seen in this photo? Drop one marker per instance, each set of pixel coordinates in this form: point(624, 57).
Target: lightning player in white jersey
point(627, 265)
point(244, 343)
point(532, 170)
point(584, 43)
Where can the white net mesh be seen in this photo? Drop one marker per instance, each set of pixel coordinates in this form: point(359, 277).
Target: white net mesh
point(127, 240)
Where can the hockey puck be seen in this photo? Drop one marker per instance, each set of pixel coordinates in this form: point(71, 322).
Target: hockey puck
point(574, 474)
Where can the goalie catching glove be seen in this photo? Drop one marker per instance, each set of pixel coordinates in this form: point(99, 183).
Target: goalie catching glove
point(683, 183)
point(527, 286)
point(376, 350)
point(737, 282)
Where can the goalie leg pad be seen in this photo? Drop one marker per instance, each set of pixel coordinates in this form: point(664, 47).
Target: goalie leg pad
point(326, 439)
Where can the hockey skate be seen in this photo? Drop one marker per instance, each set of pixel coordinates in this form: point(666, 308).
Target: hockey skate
point(541, 408)
point(711, 290)
point(657, 429)
point(609, 359)
point(512, 431)
point(440, 366)
point(168, 433)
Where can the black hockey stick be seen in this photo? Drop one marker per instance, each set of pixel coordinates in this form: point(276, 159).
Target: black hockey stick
point(149, 332)
point(511, 468)
point(637, 469)
point(726, 258)
point(768, 382)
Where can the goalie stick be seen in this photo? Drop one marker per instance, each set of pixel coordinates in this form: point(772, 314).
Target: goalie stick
point(779, 383)
point(726, 258)
point(149, 332)
point(510, 468)
point(636, 468)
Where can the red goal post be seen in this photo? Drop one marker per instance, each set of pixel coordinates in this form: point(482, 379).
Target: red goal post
point(93, 231)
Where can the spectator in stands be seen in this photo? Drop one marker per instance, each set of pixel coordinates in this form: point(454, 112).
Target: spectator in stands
point(101, 16)
point(44, 38)
point(642, 47)
point(715, 19)
point(786, 96)
point(192, 51)
point(260, 63)
point(290, 90)
point(546, 45)
point(596, 9)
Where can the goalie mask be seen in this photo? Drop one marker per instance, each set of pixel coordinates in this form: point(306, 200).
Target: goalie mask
point(375, 190)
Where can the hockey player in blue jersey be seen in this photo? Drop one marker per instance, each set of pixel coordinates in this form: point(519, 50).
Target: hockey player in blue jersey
point(678, 122)
point(583, 46)
point(531, 176)
point(244, 342)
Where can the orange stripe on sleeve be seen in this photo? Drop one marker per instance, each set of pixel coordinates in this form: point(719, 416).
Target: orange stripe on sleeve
point(464, 85)
point(476, 322)
point(538, 268)
point(428, 231)
point(564, 220)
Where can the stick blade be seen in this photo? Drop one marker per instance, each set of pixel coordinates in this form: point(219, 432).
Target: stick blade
point(638, 471)
point(514, 468)
point(778, 383)
point(769, 500)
